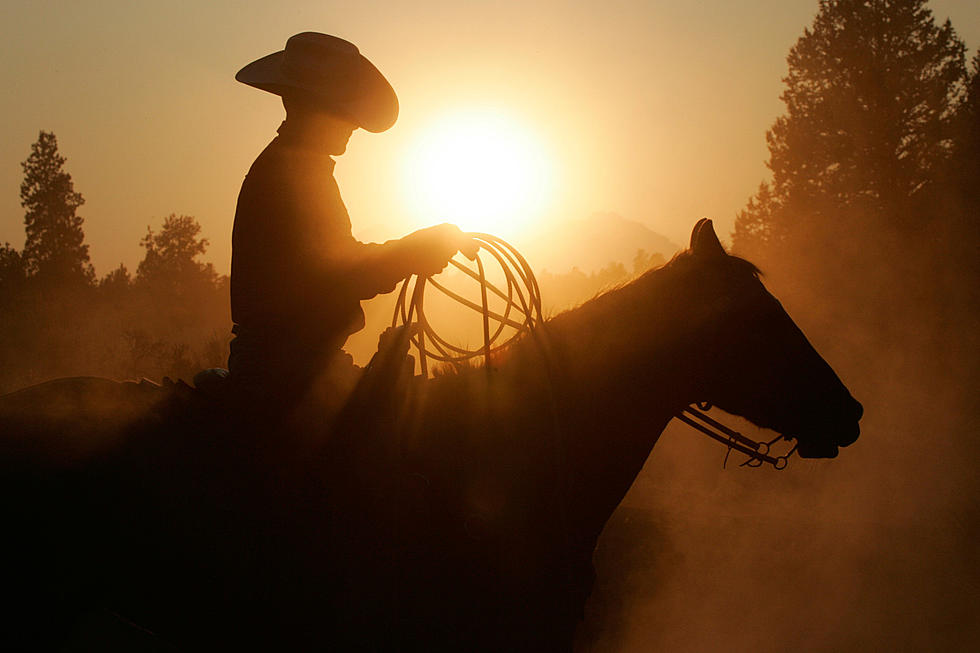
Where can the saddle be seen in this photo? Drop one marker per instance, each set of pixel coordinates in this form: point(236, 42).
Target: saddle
point(390, 369)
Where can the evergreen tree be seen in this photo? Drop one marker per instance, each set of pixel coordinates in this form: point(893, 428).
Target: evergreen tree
point(955, 205)
point(170, 262)
point(12, 272)
point(966, 160)
point(54, 250)
point(117, 282)
point(871, 96)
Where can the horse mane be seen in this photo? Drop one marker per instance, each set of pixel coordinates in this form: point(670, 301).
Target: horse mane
point(678, 263)
point(685, 275)
point(730, 262)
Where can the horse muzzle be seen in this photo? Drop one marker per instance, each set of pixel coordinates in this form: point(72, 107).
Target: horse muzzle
point(826, 441)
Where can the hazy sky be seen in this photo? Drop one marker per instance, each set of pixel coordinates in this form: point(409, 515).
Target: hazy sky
point(655, 110)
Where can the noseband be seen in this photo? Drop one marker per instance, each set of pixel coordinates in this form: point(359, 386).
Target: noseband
point(523, 315)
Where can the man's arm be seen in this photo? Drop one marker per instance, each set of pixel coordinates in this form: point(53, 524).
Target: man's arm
point(376, 269)
point(364, 270)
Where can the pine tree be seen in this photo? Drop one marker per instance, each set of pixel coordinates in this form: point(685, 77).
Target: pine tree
point(871, 96)
point(966, 160)
point(170, 262)
point(54, 250)
point(116, 282)
point(12, 272)
point(955, 205)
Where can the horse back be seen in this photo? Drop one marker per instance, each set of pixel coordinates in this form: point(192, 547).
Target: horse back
point(71, 421)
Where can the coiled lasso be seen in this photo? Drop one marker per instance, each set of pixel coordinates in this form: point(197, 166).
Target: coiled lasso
point(522, 310)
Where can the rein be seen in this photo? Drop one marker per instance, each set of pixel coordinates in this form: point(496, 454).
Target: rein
point(758, 452)
point(522, 315)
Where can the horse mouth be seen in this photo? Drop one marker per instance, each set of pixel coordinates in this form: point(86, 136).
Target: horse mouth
point(824, 436)
point(816, 449)
point(819, 445)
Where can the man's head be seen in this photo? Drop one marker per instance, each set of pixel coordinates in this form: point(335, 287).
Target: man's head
point(310, 121)
point(332, 75)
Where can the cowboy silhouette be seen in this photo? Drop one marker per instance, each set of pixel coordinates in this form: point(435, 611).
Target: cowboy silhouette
point(297, 274)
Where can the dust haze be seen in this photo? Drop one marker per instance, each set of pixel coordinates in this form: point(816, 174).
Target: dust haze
point(875, 550)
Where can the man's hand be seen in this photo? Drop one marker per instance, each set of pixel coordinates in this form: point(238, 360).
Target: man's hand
point(469, 248)
point(432, 248)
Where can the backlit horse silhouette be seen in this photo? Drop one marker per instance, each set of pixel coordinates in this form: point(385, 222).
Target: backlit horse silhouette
point(459, 516)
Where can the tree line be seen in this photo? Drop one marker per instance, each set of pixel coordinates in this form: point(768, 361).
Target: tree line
point(169, 319)
point(55, 254)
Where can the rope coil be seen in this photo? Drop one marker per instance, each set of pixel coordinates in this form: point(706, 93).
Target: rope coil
point(521, 313)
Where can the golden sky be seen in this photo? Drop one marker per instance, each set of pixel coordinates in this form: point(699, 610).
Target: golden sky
point(655, 110)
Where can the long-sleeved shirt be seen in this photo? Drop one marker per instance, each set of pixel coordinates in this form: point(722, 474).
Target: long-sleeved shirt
point(297, 273)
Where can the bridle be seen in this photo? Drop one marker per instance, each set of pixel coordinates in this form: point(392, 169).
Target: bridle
point(759, 453)
point(522, 315)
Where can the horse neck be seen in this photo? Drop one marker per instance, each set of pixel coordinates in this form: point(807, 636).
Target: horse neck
point(626, 363)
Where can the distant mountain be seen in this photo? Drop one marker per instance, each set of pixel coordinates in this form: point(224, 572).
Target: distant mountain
point(593, 243)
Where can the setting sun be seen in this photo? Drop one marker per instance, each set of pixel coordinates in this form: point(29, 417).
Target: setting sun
point(480, 170)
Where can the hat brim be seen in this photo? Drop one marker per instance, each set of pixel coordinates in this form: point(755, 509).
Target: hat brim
point(373, 107)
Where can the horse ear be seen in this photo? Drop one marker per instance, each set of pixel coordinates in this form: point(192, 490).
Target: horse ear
point(704, 241)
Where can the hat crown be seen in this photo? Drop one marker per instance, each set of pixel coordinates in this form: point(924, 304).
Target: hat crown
point(330, 71)
point(316, 57)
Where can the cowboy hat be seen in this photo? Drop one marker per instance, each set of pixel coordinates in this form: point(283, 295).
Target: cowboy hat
point(333, 72)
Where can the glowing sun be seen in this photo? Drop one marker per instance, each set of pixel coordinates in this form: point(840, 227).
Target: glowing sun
point(480, 170)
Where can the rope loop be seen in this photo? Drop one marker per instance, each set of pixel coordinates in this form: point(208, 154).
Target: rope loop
point(520, 314)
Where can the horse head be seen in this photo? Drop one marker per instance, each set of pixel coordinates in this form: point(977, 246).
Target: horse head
point(758, 363)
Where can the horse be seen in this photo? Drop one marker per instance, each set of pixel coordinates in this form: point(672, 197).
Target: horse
point(456, 513)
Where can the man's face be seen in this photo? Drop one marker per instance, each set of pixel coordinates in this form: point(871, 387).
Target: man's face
point(335, 131)
point(329, 131)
